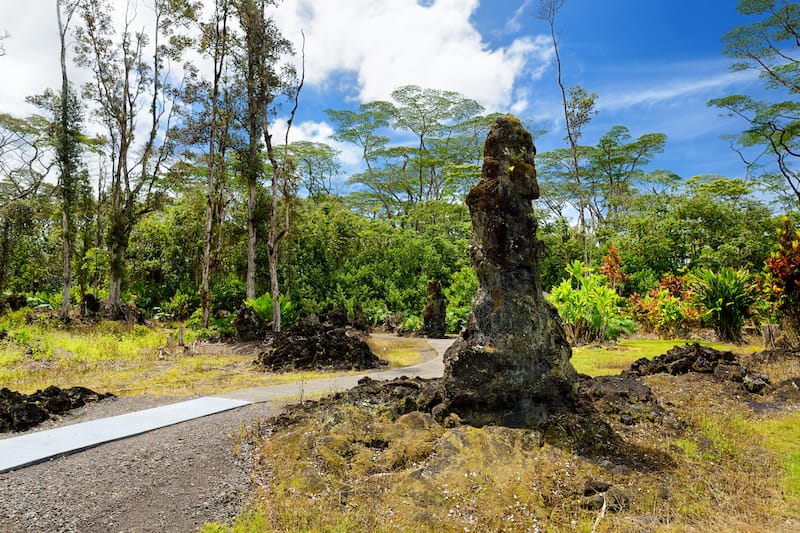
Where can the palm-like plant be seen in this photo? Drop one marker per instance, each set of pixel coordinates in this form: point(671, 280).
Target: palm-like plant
point(727, 297)
point(589, 308)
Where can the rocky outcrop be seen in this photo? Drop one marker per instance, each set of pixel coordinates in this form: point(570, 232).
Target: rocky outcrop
point(435, 311)
point(724, 365)
point(19, 412)
point(311, 344)
point(511, 364)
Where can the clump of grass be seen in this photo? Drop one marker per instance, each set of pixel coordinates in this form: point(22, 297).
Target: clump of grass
point(398, 351)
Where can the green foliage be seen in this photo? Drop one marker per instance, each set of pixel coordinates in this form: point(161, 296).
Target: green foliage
point(263, 308)
point(219, 327)
point(336, 258)
point(782, 272)
point(229, 295)
point(589, 308)
point(181, 305)
point(459, 295)
point(412, 323)
point(768, 44)
point(727, 296)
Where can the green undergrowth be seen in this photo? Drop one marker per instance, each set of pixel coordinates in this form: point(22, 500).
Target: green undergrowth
point(782, 436)
point(128, 359)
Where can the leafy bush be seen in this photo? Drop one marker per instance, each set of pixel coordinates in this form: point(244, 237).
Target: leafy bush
point(668, 310)
point(456, 317)
point(782, 277)
point(229, 295)
point(459, 298)
point(181, 305)
point(263, 308)
point(40, 302)
point(727, 296)
point(412, 323)
point(589, 308)
point(219, 327)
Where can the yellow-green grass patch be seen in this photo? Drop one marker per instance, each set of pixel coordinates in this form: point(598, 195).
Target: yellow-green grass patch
point(399, 351)
point(611, 359)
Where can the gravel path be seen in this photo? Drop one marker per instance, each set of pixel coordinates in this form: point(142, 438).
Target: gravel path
point(172, 479)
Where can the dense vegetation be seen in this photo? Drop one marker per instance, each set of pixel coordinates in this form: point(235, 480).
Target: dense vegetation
point(209, 211)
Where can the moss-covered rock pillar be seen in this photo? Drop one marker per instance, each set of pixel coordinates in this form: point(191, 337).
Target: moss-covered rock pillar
point(511, 364)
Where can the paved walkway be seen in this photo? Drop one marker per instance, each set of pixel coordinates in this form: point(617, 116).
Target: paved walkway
point(32, 448)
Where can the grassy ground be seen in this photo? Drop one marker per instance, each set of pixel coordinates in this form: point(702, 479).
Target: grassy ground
point(721, 460)
point(128, 360)
point(611, 359)
point(729, 461)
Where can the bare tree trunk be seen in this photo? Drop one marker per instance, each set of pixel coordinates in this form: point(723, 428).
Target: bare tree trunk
point(211, 183)
point(548, 10)
point(251, 239)
point(66, 170)
point(279, 172)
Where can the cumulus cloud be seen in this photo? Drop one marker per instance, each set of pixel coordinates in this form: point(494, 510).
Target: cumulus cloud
point(388, 44)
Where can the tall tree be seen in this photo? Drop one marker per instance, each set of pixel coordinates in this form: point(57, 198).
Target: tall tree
point(282, 182)
point(770, 46)
point(262, 47)
point(68, 152)
point(578, 109)
point(129, 86)
point(317, 165)
point(215, 43)
point(616, 165)
point(431, 115)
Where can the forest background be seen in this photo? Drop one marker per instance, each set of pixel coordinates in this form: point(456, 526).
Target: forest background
point(167, 180)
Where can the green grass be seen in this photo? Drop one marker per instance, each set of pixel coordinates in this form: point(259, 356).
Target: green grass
point(612, 359)
point(127, 360)
point(782, 436)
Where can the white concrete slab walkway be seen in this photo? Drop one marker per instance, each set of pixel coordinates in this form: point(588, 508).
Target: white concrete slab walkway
point(39, 446)
point(32, 448)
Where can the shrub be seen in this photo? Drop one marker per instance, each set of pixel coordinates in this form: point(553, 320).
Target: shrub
point(180, 305)
point(459, 295)
point(412, 323)
point(589, 308)
point(668, 310)
point(782, 278)
point(263, 308)
point(229, 295)
point(726, 296)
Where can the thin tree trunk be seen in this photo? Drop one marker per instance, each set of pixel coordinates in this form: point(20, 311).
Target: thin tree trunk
point(251, 239)
point(219, 59)
point(570, 136)
point(278, 172)
point(66, 170)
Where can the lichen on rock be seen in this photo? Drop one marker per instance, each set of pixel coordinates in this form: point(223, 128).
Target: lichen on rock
point(511, 364)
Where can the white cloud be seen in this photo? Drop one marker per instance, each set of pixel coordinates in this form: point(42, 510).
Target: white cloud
point(514, 24)
point(662, 89)
point(389, 44)
point(319, 132)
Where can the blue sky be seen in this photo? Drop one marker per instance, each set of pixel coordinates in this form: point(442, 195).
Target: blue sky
point(653, 63)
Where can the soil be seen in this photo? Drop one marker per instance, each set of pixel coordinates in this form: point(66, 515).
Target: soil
point(173, 479)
